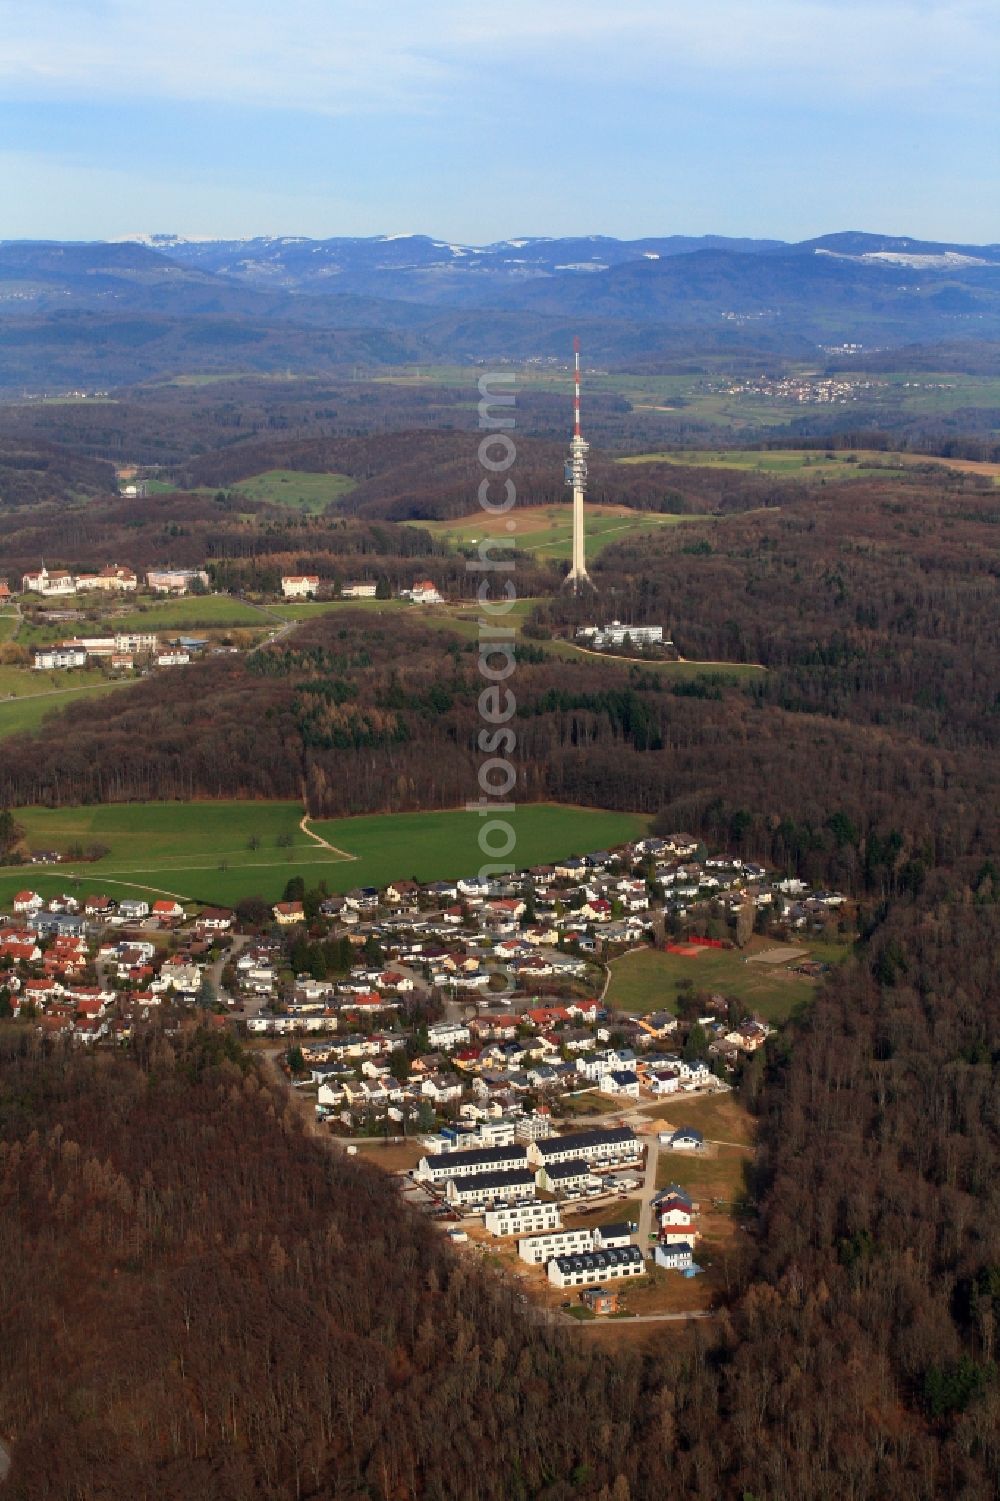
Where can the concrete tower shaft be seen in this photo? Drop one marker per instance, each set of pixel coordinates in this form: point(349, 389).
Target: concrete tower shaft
point(576, 475)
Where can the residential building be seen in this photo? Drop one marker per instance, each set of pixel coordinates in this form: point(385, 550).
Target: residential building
point(596, 1266)
point(50, 658)
point(133, 909)
point(598, 1148)
point(287, 913)
point(610, 1237)
point(675, 1258)
point(621, 1082)
point(686, 1139)
point(358, 591)
point(447, 1035)
point(299, 585)
point(424, 592)
point(601, 1301)
point(175, 580)
point(167, 910)
point(491, 1188)
point(535, 1127)
point(538, 1250)
point(565, 1177)
point(439, 1167)
point(523, 1219)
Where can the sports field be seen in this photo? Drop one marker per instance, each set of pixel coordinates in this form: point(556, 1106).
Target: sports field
point(647, 979)
point(547, 531)
point(220, 852)
point(301, 491)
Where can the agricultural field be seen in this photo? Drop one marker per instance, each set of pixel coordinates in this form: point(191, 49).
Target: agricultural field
point(547, 531)
point(297, 489)
point(698, 397)
point(221, 852)
point(647, 979)
point(810, 463)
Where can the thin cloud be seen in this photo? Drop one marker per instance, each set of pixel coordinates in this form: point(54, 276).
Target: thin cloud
point(338, 57)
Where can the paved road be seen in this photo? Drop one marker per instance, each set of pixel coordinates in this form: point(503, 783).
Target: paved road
point(648, 1190)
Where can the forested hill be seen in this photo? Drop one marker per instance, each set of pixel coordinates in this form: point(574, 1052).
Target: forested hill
point(111, 314)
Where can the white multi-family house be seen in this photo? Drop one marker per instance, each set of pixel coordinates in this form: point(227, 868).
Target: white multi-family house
point(299, 585)
point(565, 1177)
point(596, 1266)
point(597, 1148)
point(50, 658)
point(521, 1219)
point(538, 1250)
point(441, 1166)
point(448, 1035)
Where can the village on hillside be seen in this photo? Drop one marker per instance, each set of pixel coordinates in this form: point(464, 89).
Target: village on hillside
point(508, 1047)
point(56, 598)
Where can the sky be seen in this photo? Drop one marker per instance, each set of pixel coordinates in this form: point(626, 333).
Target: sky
point(476, 122)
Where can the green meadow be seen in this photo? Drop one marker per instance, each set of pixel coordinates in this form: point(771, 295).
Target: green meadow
point(647, 979)
point(220, 852)
point(191, 612)
point(28, 712)
point(297, 489)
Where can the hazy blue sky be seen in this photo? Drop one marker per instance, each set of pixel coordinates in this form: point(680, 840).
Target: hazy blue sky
point(479, 121)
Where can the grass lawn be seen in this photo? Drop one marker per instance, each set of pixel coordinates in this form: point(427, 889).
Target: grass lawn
point(201, 851)
point(310, 493)
point(706, 1176)
point(728, 671)
point(8, 625)
point(547, 531)
point(647, 979)
point(718, 1116)
point(25, 682)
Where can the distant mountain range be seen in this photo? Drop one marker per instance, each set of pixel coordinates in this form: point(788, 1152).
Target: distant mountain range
point(159, 303)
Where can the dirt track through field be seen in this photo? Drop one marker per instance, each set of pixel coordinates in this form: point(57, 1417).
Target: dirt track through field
point(311, 834)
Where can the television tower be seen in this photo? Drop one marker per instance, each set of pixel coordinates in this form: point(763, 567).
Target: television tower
point(576, 475)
